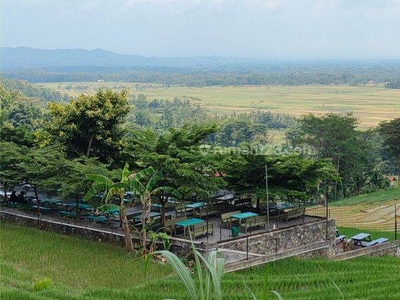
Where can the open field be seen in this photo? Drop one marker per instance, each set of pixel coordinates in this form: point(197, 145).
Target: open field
point(368, 216)
point(374, 211)
point(371, 104)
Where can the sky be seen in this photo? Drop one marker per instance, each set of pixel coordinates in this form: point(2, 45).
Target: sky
point(266, 29)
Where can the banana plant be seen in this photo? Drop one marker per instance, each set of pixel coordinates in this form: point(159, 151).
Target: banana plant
point(109, 188)
point(142, 184)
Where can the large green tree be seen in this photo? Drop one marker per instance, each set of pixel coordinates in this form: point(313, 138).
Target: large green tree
point(290, 177)
point(336, 137)
point(91, 125)
point(11, 173)
point(390, 131)
point(178, 157)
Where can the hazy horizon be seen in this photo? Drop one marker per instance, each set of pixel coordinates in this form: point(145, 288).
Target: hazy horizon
point(258, 29)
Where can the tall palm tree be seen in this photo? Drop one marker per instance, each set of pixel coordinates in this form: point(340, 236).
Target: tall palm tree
point(113, 189)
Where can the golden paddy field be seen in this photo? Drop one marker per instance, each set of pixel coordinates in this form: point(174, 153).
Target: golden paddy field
point(371, 104)
point(374, 215)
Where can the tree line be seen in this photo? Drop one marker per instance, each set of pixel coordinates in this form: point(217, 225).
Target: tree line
point(55, 147)
point(268, 73)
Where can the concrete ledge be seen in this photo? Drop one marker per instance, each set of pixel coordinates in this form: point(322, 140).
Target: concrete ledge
point(260, 260)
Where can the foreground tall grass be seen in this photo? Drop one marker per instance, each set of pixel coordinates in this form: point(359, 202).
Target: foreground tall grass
point(78, 269)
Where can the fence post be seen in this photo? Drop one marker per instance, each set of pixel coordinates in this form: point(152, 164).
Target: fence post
point(395, 222)
point(247, 248)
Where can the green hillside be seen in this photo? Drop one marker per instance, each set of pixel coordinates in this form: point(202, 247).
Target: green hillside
point(78, 269)
point(372, 198)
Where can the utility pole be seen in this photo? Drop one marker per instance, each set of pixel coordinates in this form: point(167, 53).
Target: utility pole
point(266, 189)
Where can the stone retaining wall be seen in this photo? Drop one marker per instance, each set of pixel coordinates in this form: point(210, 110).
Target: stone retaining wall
point(88, 233)
point(286, 239)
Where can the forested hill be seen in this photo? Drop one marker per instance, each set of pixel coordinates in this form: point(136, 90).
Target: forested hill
point(23, 57)
point(66, 65)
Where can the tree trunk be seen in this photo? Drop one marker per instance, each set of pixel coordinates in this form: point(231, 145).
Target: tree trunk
point(163, 201)
point(146, 206)
point(89, 146)
point(127, 231)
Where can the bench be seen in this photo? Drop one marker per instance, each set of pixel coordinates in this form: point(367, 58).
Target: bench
point(203, 229)
point(156, 223)
point(259, 221)
point(292, 214)
point(207, 210)
point(170, 224)
point(340, 238)
point(69, 214)
point(243, 202)
point(373, 242)
point(181, 210)
point(41, 208)
point(98, 219)
point(226, 218)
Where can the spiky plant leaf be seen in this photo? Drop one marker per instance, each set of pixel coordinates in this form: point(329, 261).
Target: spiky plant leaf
point(182, 272)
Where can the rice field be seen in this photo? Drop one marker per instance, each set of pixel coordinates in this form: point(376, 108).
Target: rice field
point(42, 265)
point(368, 216)
point(370, 103)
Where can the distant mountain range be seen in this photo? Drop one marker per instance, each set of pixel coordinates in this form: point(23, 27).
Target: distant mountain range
point(23, 58)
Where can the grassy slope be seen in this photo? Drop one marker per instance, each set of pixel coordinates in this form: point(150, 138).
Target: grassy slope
point(375, 211)
point(86, 270)
point(372, 198)
point(75, 266)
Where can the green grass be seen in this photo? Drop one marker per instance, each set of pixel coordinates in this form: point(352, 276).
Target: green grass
point(371, 104)
point(79, 269)
point(350, 231)
point(372, 198)
point(75, 266)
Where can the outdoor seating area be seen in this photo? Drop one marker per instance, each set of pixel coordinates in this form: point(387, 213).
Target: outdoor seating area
point(219, 218)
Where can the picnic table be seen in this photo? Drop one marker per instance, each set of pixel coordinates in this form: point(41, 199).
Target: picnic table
point(151, 216)
point(280, 207)
point(195, 205)
point(70, 209)
point(46, 204)
point(97, 218)
point(340, 237)
point(48, 201)
point(244, 215)
point(241, 216)
point(358, 239)
point(188, 223)
point(81, 206)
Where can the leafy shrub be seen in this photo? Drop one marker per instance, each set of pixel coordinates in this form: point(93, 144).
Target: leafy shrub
point(41, 284)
